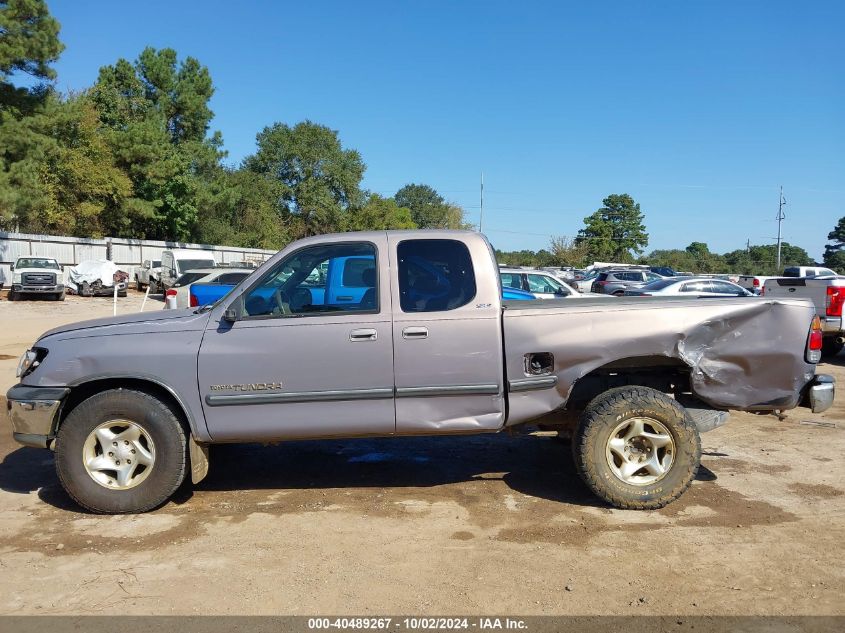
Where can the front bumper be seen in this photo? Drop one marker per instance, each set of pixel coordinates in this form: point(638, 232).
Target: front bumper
point(38, 289)
point(34, 413)
point(820, 393)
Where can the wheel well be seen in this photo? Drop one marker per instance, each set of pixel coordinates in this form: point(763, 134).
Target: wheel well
point(80, 393)
point(663, 373)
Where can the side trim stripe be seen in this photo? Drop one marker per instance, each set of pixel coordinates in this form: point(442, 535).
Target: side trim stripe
point(450, 390)
point(299, 396)
point(530, 384)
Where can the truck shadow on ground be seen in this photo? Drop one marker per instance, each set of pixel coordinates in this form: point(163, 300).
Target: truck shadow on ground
point(535, 466)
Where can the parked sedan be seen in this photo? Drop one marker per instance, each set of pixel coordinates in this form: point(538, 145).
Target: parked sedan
point(179, 294)
point(540, 283)
point(616, 282)
point(686, 287)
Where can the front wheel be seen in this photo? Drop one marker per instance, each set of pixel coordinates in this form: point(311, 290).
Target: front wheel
point(121, 451)
point(13, 296)
point(60, 296)
point(636, 448)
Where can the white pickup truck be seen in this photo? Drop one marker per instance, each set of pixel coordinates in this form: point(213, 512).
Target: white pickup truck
point(828, 296)
point(37, 276)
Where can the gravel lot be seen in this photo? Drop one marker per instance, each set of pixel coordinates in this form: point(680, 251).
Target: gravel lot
point(475, 525)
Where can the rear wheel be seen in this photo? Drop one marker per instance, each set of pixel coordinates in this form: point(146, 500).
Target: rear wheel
point(830, 347)
point(121, 451)
point(636, 448)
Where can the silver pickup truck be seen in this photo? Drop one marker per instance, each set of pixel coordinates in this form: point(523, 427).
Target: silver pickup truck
point(415, 340)
point(827, 292)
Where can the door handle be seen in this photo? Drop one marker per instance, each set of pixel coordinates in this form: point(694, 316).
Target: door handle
point(415, 333)
point(366, 334)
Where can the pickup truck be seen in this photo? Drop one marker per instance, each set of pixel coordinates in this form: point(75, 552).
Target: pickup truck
point(828, 296)
point(37, 276)
point(148, 274)
point(130, 404)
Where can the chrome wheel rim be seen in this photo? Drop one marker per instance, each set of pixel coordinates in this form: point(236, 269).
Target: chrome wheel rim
point(118, 454)
point(640, 451)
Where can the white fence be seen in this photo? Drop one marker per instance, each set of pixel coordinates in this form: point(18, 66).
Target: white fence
point(127, 254)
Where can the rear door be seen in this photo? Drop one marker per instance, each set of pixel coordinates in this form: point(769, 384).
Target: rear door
point(290, 367)
point(447, 336)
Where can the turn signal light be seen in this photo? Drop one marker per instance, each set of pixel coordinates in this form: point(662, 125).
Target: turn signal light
point(815, 342)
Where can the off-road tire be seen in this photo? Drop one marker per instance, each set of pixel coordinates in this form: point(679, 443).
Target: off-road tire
point(155, 418)
point(831, 348)
point(602, 415)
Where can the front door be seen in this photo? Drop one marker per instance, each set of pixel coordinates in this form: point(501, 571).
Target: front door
point(447, 338)
point(296, 365)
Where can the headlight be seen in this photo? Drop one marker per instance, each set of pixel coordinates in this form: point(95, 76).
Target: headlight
point(29, 361)
point(17, 278)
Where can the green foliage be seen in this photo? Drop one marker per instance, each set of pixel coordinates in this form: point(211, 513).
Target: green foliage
point(29, 39)
point(616, 231)
point(428, 208)
point(834, 254)
point(320, 181)
point(379, 213)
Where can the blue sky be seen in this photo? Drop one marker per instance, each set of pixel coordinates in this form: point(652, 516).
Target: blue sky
point(699, 110)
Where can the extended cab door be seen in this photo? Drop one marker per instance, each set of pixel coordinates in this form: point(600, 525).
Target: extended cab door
point(293, 365)
point(447, 335)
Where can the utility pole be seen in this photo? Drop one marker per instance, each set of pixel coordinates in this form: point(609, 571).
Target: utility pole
point(781, 217)
point(481, 215)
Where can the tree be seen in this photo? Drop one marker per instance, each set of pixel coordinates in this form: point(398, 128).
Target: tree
point(156, 119)
point(568, 252)
point(616, 231)
point(428, 208)
point(834, 255)
point(29, 43)
point(320, 181)
point(762, 259)
point(380, 213)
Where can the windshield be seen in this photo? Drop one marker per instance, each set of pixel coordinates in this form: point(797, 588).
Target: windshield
point(37, 262)
point(189, 278)
point(659, 284)
point(190, 264)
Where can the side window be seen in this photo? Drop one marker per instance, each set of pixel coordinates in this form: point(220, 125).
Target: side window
point(541, 283)
point(434, 275)
point(724, 288)
point(302, 283)
point(511, 280)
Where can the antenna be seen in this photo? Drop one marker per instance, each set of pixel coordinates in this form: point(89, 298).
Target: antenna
point(481, 215)
point(781, 217)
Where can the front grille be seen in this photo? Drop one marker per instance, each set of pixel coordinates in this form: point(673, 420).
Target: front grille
point(39, 279)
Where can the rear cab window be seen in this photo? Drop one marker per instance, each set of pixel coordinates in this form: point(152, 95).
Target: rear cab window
point(434, 275)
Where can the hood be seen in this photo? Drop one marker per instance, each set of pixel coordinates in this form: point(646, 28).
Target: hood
point(137, 323)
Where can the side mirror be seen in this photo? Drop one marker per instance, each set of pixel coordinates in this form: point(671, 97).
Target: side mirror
point(231, 315)
point(12, 267)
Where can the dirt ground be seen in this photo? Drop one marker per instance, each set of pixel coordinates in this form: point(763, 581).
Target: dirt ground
point(475, 525)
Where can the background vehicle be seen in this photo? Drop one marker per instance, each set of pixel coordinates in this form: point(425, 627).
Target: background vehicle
point(97, 278)
point(689, 287)
point(179, 294)
point(541, 284)
point(663, 271)
point(584, 282)
point(429, 348)
point(148, 275)
point(808, 271)
point(176, 262)
point(37, 276)
point(616, 282)
point(828, 296)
